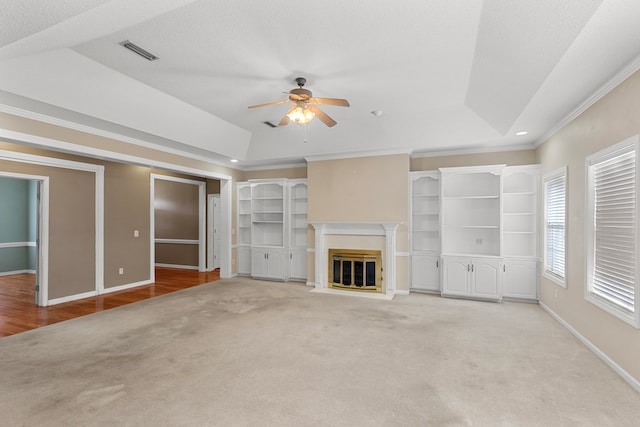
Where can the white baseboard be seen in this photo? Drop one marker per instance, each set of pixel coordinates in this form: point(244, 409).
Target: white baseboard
point(312, 284)
point(402, 292)
point(72, 298)
point(126, 286)
point(633, 382)
point(184, 267)
point(11, 273)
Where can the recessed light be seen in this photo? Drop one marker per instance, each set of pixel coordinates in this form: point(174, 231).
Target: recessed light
point(234, 160)
point(524, 132)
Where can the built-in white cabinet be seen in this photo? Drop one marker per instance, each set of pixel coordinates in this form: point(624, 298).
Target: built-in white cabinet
point(244, 260)
point(474, 231)
point(520, 251)
point(425, 272)
point(520, 279)
point(244, 228)
point(425, 231)
point(297, 190)
point(268, 263)
point(272, 229)
point(471, 210)
point(472, 277)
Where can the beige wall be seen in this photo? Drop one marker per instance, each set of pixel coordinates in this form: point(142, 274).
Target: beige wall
point(364, 189)
point(612, 119)
point(510, 158)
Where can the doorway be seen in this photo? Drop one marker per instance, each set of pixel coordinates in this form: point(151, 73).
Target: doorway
point(24, 233)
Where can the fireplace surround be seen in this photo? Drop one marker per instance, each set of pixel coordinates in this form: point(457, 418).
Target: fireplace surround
point(375, 236)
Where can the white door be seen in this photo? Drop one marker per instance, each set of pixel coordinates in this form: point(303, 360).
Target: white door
point(276, 264)
point(258, 262)
point(456, 276)
point(425, 272)
point(519, 279)
point(486, 279)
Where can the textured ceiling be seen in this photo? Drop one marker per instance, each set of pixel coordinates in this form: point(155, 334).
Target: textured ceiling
point(445, 77)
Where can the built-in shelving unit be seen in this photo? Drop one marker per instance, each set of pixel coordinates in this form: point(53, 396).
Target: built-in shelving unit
point(471, 211)
point(425, 231)
point(272, 228)
point(520, 212)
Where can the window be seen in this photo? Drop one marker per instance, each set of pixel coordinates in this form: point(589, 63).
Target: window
point(555, 184)
point(612, 237)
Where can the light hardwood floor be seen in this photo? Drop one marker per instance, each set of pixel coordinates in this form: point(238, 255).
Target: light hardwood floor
point(19, 313)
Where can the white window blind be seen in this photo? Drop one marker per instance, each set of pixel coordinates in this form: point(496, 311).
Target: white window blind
point(614, 217)
point(555, 188)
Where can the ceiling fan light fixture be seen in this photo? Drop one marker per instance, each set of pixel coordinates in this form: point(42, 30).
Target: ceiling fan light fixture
point(301, 115)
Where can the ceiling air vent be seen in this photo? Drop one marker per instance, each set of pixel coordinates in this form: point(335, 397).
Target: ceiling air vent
point(140, 51)
point(268, 123)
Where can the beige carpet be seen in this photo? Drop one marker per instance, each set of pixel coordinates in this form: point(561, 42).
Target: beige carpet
point(242, 352)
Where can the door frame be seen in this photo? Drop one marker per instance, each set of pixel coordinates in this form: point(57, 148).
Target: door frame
point(211, 219)
point(42, 237)
point(153, 177)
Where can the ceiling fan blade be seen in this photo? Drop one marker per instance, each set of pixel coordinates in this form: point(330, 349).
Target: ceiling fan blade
point(285, 118)
point(330, 101)
point(269, 103)
point(324, 118)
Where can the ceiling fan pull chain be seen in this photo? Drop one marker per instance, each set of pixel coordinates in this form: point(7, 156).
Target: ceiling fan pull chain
point(305, 132)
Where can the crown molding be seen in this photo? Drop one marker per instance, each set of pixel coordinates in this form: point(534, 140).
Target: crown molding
point(354, 154)
point(477, 150)
point(616, 80)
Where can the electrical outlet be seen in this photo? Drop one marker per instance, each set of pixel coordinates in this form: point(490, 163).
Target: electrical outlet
point(136, 233)
point(121, 270)
point(478, 241)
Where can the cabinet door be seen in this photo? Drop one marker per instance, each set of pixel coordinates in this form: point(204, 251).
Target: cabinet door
point(276, 264)
point(519, 279)
point(486, 279)
point(298, 265)
point(244, 260)
point(425, 272)
point(258, 262)
point(455, 280)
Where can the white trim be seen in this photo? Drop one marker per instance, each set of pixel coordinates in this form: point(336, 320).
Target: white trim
point(11, 273)
point(621, 76)
point(17, 245)
point(399, 292)
point(99, 221)
point(313, 284)
point(42, 279)
point(177, 241)
point(633, 382)
point(126, 286)
point(301, 164)
point(72, 297)
point(311, 250)
point(183, 267)
point(355, 154)
point(473, 150)
point(405, 254)
point(34, 159)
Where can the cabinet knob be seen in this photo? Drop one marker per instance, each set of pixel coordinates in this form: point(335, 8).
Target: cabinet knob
point(437, 263)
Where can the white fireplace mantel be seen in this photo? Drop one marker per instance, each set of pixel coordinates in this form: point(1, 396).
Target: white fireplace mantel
point(386, 229)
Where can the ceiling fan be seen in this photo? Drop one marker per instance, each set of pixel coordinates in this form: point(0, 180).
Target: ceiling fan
point(304, 107)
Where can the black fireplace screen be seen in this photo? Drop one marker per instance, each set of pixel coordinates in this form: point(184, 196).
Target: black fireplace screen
point(355, 269)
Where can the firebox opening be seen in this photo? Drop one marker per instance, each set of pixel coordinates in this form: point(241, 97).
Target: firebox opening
point(355, 269)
